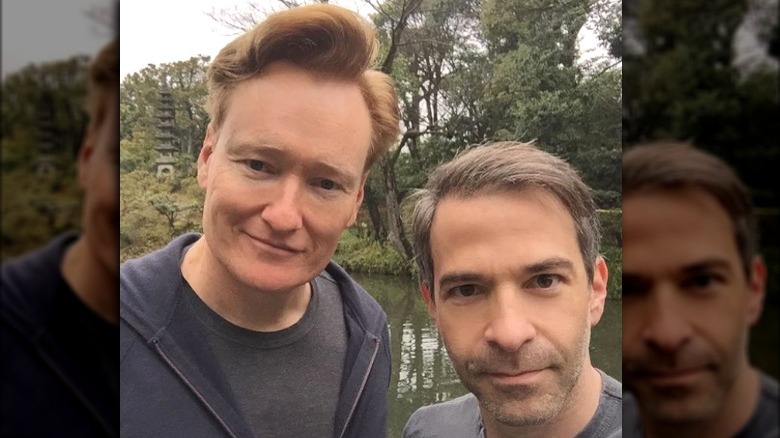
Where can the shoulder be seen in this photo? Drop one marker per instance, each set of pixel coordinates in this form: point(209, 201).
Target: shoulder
point(30, 283)
point(358, 303)
point(150, 267)
point(611, 388)
point(148, 284)
point(764, 421)
point(456, 418)
point(769, 389)
point(631, 423)
point(608, 419)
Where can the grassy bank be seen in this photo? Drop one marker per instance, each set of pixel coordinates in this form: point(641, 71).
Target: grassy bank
point(364, 254)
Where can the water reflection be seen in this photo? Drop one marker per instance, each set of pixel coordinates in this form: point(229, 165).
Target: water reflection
point(422, 371)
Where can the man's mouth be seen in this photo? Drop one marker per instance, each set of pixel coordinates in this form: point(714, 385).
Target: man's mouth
point(274, 246)
point(672, 377)
point(515, 377)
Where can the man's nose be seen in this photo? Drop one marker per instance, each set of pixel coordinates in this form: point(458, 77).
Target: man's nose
point(283, 212)
point(665, 324)
point(509, 326)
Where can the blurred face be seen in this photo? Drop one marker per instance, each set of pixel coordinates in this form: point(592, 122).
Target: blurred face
point(512, 301)
point(283, 176)
point(98, 176)
point(687, 305)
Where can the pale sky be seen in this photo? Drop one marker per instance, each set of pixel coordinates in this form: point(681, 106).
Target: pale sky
point(163, 31)
point(36, 31)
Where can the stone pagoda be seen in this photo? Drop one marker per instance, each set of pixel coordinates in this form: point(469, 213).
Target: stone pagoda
point(166, 134)
point(46, 138)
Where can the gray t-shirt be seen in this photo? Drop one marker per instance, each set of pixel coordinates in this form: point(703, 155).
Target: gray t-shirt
point(762, 424)
point(460, 418)
point(285, 383)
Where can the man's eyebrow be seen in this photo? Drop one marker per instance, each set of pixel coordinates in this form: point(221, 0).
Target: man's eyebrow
point(460, 277)
point(551, 264)
point(707, 264)
point(247, 147)
point(691, 268)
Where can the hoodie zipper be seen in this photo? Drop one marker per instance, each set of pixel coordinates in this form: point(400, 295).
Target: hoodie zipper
point(362, 387)
point(192, 387)
point(76, 391)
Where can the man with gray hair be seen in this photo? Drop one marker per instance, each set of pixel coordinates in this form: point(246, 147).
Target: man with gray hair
point(507, 238)
point(694, 284)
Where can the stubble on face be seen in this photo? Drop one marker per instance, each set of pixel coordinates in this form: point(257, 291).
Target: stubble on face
point(519, 405)
point(684, 403)
point(684, 334)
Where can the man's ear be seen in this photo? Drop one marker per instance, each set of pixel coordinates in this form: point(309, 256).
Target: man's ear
point(427, 295)
point(599, 290)
point(756, 289)
point(209, 142)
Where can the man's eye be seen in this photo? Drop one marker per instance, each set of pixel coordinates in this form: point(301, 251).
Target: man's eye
point(701, 281)
point(467, 290)
point(327, 184)
point(545, 281)
point(256, 165)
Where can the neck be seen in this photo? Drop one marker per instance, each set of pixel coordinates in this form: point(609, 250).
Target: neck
point(239, 303)
point(577, 411)
point(733, 415)
point(96, 285)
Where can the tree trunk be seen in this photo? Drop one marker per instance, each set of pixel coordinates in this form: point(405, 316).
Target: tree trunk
point(395, 227)
point(377, 226)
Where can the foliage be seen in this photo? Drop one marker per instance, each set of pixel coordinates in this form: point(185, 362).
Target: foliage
point(36, 208)
point(611, 227)
point(614, 259)
point(155, 209)
point(683, 85)
point(466, 72)
point(471, 72)
point(360, 254)
point(139, 99)
point(611, 248)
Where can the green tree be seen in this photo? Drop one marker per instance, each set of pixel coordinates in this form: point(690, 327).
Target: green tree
point(681, 85)
point(35, 208)
point(466, 72)
point(140, 98)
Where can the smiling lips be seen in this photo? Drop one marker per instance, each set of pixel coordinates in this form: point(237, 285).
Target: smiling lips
point(275, 247)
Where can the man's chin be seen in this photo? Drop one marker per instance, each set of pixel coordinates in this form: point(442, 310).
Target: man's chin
point(271, 279)
point(522, 407)
point(515, 404)
point(679, 407)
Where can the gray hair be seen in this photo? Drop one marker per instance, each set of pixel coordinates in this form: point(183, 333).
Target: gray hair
point(671, 165)
point(505, 167)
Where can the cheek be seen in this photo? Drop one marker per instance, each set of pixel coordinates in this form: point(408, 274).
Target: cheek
point(327, 222)
point(630, 336)
point(229, 198)
point(565, 326)
point(461, 335)
point(103, 188)
point(724, 331)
